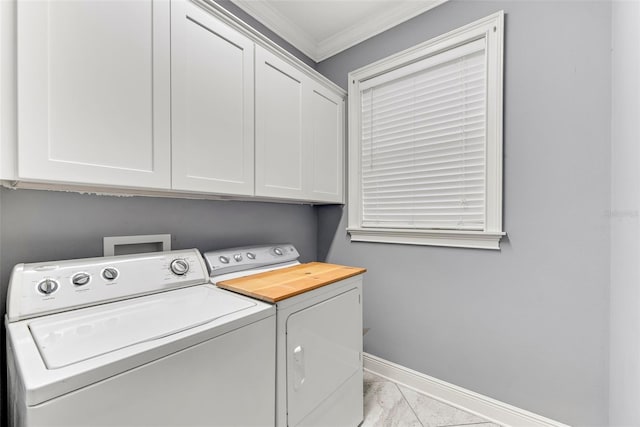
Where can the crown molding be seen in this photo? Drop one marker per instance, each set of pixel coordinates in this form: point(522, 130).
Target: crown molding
point(372, 26)
point(269, 16)
point(319, 50)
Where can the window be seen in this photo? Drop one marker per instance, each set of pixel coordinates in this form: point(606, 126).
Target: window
point(425, 142)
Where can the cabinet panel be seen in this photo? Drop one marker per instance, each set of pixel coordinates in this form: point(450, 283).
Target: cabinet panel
point(8, 114)
point(93, 92)
point(279, 127)
point(326, 139)
point(212, 104)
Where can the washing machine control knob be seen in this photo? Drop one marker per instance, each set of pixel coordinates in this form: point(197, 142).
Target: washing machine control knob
point(251, 255)
point(237, 257)
point(223, 259)
point(179, 266)
point(81, 279)
point(110, 273)
point(47, 286)
point(278, 251)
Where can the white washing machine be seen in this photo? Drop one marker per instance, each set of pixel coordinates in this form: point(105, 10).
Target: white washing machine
point(318, 339)
point(136, 340)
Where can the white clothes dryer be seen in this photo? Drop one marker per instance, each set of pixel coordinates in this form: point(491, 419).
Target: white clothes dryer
point(136, 340)
point(318, 339)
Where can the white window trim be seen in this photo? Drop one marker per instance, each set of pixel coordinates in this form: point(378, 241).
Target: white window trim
point(491, 29)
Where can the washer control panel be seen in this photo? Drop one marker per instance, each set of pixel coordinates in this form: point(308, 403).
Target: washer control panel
point(244, 258)
point(50, 287)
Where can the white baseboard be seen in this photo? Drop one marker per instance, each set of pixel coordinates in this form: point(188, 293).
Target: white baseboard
point(475, 403)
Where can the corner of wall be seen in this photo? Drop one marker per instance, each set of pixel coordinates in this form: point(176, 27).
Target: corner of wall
point(624, 292)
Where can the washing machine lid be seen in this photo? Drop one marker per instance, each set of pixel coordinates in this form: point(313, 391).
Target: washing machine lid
point(79, 335)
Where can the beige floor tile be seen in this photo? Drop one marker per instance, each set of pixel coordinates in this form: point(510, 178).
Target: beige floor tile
point(384, 406)
point(433, 413)
point(372, 378)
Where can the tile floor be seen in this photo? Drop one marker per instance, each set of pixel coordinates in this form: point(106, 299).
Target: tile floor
point(388, 404)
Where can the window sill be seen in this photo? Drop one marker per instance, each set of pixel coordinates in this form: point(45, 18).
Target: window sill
point(450, 238)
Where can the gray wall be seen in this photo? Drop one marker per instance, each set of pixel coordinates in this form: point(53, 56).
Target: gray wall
point(527, 325)
point(625, 210)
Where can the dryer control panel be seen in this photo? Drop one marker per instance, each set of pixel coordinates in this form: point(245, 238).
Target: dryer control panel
point(49, 287)
point(249, 257)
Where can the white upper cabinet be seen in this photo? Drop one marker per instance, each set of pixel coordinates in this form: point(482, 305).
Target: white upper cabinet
point(171, 95)
point(280, 131)
point(299, 134)
point(94, 92)
point(212, 103)
point(326, 145)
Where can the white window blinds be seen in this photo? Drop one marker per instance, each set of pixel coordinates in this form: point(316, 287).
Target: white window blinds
point(423, 143)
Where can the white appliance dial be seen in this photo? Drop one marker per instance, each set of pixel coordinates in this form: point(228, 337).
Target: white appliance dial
point(179, 267)
point(110, 273)
point(47, 286)
point(81, 279)
point(278, 251)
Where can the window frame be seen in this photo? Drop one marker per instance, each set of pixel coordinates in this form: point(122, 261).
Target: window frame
point(491, 28)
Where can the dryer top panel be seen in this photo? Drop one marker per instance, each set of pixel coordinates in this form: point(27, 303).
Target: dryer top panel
point(277, 285)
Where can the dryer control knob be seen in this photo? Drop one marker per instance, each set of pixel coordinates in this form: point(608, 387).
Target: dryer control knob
point(237, 257)
point(81, 279)
point(223, 259)
point(179, 267)
point(110, 273)
point(278, 251)
point(251, 255)
point(47, 286)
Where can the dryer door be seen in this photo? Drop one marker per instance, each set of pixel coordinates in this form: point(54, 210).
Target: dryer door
point(324, 344)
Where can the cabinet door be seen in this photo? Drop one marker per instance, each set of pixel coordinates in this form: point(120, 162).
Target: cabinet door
point(212, 103)
point(94, 92)
point(280, 138)
point(326, 145)
point(324, 343)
